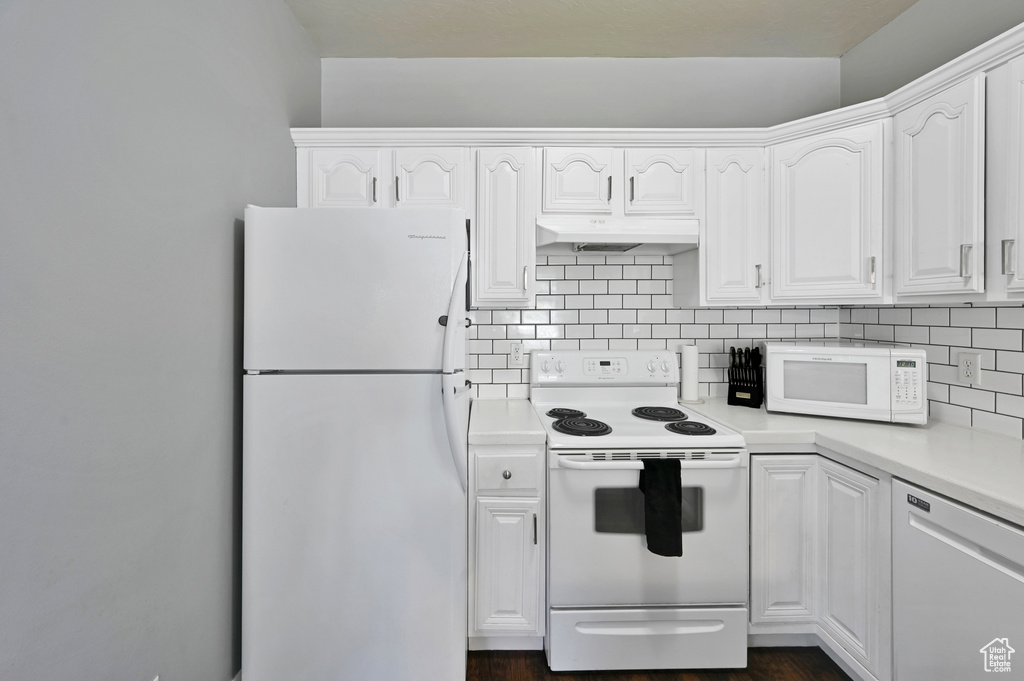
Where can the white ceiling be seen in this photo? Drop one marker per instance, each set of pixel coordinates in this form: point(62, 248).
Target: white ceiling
point(592, 28)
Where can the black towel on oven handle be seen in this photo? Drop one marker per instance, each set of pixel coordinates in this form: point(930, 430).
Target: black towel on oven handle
point(662, 487)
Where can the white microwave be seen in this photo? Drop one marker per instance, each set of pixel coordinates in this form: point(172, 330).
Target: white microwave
point(874, 382)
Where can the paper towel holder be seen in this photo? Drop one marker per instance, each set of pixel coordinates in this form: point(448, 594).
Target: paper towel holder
point(688, 385)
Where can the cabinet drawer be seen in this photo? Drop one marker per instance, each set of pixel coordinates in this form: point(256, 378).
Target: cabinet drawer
point(519, 472)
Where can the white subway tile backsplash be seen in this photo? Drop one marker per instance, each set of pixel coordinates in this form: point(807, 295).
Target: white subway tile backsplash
point(593, 316)
point(545, 272)
point(950, 335)
point(911, 334)
point(565, 316)
point(951, 413)
point(930, 316)
point(894, 315)
point(623, 302)
point(708, 316)
point(972, 397)
point(607, 272)
point(1007, 360)
point(579, 302)
point(998, 339)
point(579, 271)
point(766, 316)
point(1010, 317)
point(651, 316)
point(972, 316)
point(1011, 405)
point(997, 423)
point(593, 286)
point(536, 316)
point(1001, 382)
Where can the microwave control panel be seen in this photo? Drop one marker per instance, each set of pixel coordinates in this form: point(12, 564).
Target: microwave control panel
point(908, 381)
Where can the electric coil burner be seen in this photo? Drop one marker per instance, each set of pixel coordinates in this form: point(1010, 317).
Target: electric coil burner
point(614, 601)
point(690, 428)
point(581, 426)
point(562, 413)
point(659, 414)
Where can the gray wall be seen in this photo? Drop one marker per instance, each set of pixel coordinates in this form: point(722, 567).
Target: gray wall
point(132, 134)
point(576, 93)
point(926, 36)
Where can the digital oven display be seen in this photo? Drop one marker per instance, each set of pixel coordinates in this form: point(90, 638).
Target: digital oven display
point(906, 364)
point(605, 363)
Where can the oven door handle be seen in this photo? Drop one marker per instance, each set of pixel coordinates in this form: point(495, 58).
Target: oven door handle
point(639, 465)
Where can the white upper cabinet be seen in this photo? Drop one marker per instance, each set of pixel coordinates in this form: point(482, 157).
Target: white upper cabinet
point(432, 178)
point(733, 252)
point(1004, 212)
point(617, 182)
point(939, 192)
point(578, 180)
point(384, 178)
point(828, 216)
point(663, 182)
point(504, 236)
point(340, 178)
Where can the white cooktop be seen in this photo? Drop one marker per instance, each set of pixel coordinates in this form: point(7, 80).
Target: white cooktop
point(606, 386)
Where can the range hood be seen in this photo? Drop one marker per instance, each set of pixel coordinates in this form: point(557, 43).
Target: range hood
point(636, 236)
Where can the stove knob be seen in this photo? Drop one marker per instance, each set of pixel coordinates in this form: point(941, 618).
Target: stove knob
point(650, 366)
point(545, 366)
point(559, 366)
point(664, 365)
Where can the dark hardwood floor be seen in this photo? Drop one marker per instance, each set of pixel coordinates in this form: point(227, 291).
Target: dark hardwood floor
point(763, 664)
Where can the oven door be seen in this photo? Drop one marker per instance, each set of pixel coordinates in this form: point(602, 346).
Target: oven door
point(597, 550)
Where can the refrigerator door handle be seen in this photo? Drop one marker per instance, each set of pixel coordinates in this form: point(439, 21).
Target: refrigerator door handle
point(451, 392)
point(453, 378)
point(454, 353)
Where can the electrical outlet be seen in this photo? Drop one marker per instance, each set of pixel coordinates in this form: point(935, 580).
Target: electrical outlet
point(969, 368)
point(516, 358)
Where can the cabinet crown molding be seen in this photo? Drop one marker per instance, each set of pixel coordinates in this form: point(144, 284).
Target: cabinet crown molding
point(987, 56)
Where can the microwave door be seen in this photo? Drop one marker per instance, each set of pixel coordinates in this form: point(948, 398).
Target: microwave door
point(843, 386)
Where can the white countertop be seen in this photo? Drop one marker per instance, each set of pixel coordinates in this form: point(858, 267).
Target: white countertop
point(979, 469)
point(504, 422)
point(971, 466)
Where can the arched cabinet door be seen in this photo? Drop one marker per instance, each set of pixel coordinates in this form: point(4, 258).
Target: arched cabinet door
point(433, 177)
point(342, 178)
point(504, 236)
point(663, 182)
point(828, 216)
point(578, 180)
point(940, 192)
point(732, 249)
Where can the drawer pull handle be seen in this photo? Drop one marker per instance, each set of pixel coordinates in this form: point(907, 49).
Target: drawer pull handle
point(507, 475)
point(534, 529)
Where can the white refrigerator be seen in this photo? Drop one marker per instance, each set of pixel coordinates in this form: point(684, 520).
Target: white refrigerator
point(354, 436)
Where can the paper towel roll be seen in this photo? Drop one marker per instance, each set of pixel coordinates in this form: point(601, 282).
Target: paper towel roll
point(688, 390)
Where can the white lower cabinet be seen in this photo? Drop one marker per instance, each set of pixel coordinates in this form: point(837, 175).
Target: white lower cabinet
point(783, 537)
point(820, 557)
point(506, 543)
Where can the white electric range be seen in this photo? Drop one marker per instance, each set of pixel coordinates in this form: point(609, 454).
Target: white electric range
point(639, 579)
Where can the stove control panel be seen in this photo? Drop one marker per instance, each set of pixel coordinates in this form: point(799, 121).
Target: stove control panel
point(592, 367)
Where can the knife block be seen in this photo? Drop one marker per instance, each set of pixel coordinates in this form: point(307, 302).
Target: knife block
point(746, 387)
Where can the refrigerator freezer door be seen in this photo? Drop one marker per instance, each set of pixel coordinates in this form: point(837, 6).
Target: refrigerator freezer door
point(348, 289)
point(354, 532)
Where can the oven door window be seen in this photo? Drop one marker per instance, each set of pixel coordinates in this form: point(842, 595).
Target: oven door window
point(620, 510)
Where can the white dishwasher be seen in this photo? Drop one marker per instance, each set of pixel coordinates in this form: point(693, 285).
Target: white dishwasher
point(958, 591)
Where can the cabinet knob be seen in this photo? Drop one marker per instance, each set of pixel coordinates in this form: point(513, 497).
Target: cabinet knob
point(506, 474)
